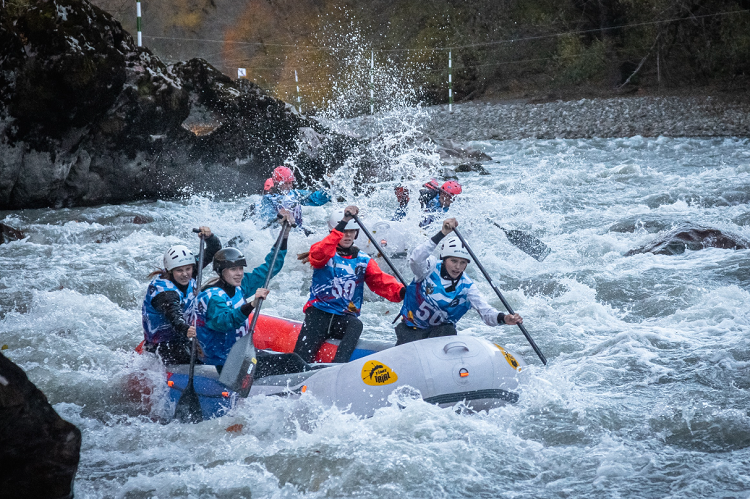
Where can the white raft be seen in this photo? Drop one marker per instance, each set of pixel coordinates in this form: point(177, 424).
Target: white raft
point(443, 371)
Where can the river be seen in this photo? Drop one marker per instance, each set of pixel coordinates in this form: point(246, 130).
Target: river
point(646, 393)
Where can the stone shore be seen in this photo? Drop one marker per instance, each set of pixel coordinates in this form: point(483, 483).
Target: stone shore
point(674, 116)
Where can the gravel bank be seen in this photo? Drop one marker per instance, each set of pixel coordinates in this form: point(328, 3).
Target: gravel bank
point(586, 118)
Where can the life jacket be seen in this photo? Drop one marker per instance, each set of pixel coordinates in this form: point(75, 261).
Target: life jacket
point(217, 344)
point(289, 202)
point(434, 206)
point(338, 287)
point(428, 304)
point(432, 209)
point(156, 327)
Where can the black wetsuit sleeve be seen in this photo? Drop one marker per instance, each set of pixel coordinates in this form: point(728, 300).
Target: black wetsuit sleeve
point(501, 318)
point(247, 308)
point(213, 244)
point(438, 237)
point(284, 242)
point(426, 195)
point(168, 303)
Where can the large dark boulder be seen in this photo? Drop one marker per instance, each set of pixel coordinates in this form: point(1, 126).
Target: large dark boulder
point(691, 237)
point(86, 117)
point(39, 451)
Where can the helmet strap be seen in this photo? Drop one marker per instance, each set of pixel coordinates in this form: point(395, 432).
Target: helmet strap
point(445, 275)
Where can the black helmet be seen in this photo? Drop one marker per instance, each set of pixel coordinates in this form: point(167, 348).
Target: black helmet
point(227, 258)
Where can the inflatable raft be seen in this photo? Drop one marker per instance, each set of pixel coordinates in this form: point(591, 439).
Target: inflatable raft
point(442, 371)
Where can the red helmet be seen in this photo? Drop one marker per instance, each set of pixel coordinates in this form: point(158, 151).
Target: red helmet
point(451, 187)
point(268, 185)
point(282, 174)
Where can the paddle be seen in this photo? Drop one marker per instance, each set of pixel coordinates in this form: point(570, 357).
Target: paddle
point(500, 295)
point(372, 239)
point(238, 370)
point(520, 239)
point(526, 242)
point(188, 408)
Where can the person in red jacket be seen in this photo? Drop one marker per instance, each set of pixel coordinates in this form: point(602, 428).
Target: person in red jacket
point(337, 290)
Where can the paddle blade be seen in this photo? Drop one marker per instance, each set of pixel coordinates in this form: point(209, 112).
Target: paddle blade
point(189, 406)
point(528, 244)
point(237, 374)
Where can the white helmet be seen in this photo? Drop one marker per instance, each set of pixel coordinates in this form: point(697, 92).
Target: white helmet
point(452, 246)
point(177, 256)
point(338, 216)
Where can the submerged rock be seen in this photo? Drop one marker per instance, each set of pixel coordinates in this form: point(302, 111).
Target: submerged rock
point(456, 153)
point(39, 451)
point(648, 223)
point(471, 167)
point(691, 237)
point(8, 234)
point(87, 117)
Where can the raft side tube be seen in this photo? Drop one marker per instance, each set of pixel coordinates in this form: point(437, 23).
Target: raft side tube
point(445, 370)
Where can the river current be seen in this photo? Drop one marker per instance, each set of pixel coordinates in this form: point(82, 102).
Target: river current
point(646, 394)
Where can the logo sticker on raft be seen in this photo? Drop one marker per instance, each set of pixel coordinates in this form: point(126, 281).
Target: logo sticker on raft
point(511, 360)
point(376, 373)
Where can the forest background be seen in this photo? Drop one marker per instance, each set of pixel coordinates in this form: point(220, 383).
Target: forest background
point(534, 50)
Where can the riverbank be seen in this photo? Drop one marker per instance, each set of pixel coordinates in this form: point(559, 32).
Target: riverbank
point(673, 116)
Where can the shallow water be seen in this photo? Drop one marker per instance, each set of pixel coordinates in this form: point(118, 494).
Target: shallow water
point(646, 393)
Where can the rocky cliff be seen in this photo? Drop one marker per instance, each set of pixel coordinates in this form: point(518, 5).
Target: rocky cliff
point(86, 117)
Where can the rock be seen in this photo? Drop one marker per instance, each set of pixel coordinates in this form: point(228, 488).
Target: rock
point(142, 220)
point(453, 152)
point(39, 451)
point(648, 223)
point(86, 117)
point(471, 167)
point(8, 234)
point(691, 237)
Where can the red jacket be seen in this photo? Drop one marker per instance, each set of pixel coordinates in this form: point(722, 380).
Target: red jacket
point(379, 282)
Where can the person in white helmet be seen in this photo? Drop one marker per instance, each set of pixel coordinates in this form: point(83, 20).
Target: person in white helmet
point(340, 273)
point(168, 305)
point(441, 293)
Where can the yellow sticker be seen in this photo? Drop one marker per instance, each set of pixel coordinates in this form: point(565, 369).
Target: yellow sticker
point(376, 373)
point(511, 360)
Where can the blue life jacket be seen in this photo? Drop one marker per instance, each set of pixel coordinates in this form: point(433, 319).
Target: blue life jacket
point(289, 202)
point(428, 304)
point(156, 327)
point(338, 288)
point(432, 209)
point(217, 344)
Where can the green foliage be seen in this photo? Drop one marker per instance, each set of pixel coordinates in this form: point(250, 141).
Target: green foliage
point(578, 63)
point(510, 48)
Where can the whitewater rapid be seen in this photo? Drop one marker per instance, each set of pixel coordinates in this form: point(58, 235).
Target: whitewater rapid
point(646, 393)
